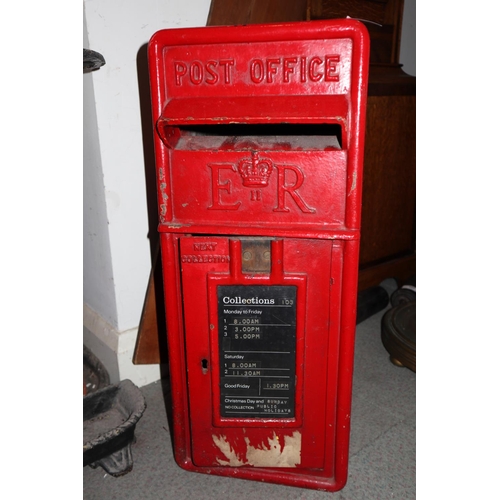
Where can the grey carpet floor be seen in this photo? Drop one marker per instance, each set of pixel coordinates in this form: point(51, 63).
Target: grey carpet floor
point(382, 463)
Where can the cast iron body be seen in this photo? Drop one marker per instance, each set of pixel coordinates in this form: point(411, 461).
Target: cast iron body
point(109, 419)
point(259, 146)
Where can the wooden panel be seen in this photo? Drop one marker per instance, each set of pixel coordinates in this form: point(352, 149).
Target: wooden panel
point(227, 12)
point(151, 343)
point(388, 214)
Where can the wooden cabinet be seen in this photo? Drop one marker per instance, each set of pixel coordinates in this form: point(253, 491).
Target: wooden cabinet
point(388, 214)
point(389, 195)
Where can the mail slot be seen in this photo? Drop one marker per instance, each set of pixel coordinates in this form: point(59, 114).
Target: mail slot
point(259, 135)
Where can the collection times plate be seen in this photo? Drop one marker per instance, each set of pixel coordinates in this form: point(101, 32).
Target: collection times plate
point(257, 344)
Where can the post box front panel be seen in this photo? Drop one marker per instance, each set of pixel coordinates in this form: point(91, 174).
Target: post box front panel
point(261, 352)
point(259, 188)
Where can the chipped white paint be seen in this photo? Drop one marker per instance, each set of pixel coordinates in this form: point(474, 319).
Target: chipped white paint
point(274, 456)
point(227, 450)
point(267, 455)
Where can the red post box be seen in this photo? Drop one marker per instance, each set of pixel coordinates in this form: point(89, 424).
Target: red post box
point(259, 147)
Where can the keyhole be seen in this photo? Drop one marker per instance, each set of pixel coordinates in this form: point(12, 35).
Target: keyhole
point(204, 366)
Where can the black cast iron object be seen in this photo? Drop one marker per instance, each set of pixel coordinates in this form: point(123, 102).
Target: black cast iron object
point(399, 334)
point(407, 293)
point(92, 60)
point(109, 419)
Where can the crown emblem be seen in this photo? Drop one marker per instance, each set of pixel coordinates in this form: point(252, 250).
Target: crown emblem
point(255, 171)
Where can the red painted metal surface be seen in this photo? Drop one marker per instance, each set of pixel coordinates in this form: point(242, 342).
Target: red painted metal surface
point(259, 145)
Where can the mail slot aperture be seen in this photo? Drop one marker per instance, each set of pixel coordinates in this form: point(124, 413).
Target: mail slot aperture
point(245, 137)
